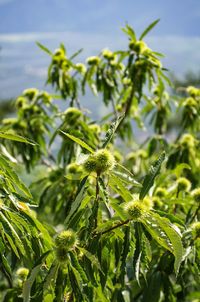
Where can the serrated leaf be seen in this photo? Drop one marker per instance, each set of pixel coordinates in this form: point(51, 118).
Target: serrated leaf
point(111, 130)
point(116, 183)
point(78, 199)
point(11, 174)
point(166, 234)
point(145, 32)
point(127, 178)
point(26, 291)
point(91, 257)
point(78, 141)
point(149, 178)
point(15, 137)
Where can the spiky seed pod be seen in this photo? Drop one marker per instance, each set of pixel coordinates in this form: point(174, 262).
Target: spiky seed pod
point(100, 162)
point(66, 239)
point(196, 229)
point(94, 60)
point(104, 160)
point(136, 209)
point(196, 194)
point(160, 192)
point(183, 184)
point(90, 164)
point(22, 273)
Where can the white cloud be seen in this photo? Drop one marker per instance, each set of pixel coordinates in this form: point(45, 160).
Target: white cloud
point(20, 54)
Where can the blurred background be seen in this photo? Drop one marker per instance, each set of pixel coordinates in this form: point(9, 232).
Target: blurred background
point(93, 25)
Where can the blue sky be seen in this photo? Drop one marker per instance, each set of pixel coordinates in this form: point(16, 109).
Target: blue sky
point(92, 24)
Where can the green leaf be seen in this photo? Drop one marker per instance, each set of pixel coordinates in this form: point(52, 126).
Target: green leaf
point(111, 130)
point(78, 141)
point(15, 137)
point(116, 183)
point(76, 54)
point(11, 174)
point(166, 234)
point(130, 32)
point(26, 291)
point(145, 32)
point(127, 178)
point(45, 49)
point(149, 178)
point(91, 257)
point(78, 200)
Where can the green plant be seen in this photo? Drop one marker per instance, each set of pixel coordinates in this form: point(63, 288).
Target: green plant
point(101, 215)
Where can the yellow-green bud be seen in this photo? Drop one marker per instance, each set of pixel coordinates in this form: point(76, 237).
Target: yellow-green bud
point(94, 60)
point(157, 202)
point(59, 52)
point(126, 81)
point(196, 194)
point(30, 93)
point(117, 155)
point(81, 68)
point(21, 101)
point(160, 192)
point(142, 154)
point(22, 273)
point(72, 113)
point(65, 65)
point(183, 184)
point(148, 203)
point(95, 128)
point(107, 54)
point(196, 229)
point(190, 102)
point(131, 156)
point(139, 47)
point(192, 91)
point(187, 140)
point(73, 168)
point(136, 209)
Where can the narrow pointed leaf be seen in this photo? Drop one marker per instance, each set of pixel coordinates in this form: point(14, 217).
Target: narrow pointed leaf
point(15, 137)
point(149, 178)
point(145, 32)
point(78, 141)
point(111, 130)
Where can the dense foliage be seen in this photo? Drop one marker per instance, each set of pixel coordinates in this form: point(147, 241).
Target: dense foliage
point(104, 212)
